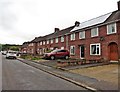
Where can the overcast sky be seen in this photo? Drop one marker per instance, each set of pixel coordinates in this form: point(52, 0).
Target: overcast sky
point(23, 20)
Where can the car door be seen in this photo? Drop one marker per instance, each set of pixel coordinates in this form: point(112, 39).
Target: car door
point(60, 54)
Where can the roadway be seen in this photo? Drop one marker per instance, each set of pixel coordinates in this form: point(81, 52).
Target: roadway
point(19, 76)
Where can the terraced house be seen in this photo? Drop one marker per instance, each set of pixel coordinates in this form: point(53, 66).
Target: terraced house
point(91, 40)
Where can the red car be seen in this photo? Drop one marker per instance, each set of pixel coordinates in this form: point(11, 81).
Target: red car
point(59, 53)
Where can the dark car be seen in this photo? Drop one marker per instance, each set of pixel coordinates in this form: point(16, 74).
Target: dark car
point(59, 53)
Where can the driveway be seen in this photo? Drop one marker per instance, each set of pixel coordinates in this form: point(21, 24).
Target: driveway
point(105, 72)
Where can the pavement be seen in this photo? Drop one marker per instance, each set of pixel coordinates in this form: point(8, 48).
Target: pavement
point(78, 79)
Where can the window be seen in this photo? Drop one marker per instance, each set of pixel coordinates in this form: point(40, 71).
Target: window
point(62, 39)
point(47, 41)
point(56, 40)
point(82, 35)
point(95, 49)
point(51, 48)
point(31, 50)
point(37, 44)
point(94, 32)
point(62, 47)
point(111, 28)
point(72, 50)
point(43, 42)
point(72, 36)
point(51, 41)
point(31, 44)
point(40, 43)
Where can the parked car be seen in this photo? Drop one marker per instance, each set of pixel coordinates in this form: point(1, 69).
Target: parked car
point(11, 54)
point(59, 53)
point(4, 52)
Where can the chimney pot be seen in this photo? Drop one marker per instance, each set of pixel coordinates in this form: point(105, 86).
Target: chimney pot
point(77, 23)
point(57, 29)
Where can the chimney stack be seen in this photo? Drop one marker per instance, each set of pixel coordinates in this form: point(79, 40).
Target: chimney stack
point(77, 23)
point(118, 5)
point(56, 30)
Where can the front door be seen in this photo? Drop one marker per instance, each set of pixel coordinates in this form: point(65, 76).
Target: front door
point(113, 51)
point(82, 51)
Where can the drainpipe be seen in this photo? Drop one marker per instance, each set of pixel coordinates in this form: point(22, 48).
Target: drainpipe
point(67, 41)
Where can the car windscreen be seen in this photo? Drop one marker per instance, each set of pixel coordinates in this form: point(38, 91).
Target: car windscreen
point(12, 52)
point(55, 51)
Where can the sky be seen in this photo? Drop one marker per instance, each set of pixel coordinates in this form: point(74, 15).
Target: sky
point(23, 20)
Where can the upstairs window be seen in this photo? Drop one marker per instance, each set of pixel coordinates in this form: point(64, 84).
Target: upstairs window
point(43, 42)
point(56, 40)
point(51, 41)
point(47, 41)
point(94, 32)
point(62, 39)
point(37, 44)
point(82, 35)
point(111, 28)
point(72, 36)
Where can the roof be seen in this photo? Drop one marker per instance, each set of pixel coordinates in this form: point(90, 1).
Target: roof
point(53, 35)
point(25, 44)
point(112, 16)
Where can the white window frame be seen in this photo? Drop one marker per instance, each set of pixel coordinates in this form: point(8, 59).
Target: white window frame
point(43, 42)
point(56, 40)
point(62, 38)
point(72, 36)
point(108, 32)
point(62, 47)
point(83, 35)
point(37, 44)
point(47, 41)
point(51, 41)
point(97, 46)
point(93, 30)
point(71, 47)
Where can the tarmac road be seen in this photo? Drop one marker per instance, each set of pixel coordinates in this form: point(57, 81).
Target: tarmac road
point(19, 76)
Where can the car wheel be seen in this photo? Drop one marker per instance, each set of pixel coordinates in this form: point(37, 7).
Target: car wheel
point(66, 57)
point(52, 57)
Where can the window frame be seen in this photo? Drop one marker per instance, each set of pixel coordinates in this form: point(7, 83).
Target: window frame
point(94, 30)
point(56, 40)
point(43, 42)
point(62, 38)
point(51, 41)
point(83, 32)
point(48, 41)
point(62, 47)
point(72, 36)
point(71, 47)
point(115, 26)
point(96, 49)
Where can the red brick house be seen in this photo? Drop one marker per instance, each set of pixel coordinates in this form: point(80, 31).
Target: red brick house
point(93, 39)
point(97, 38)
point(53, 41)
point(24, 47)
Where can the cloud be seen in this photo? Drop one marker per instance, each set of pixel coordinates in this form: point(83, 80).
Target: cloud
point(22, 20)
